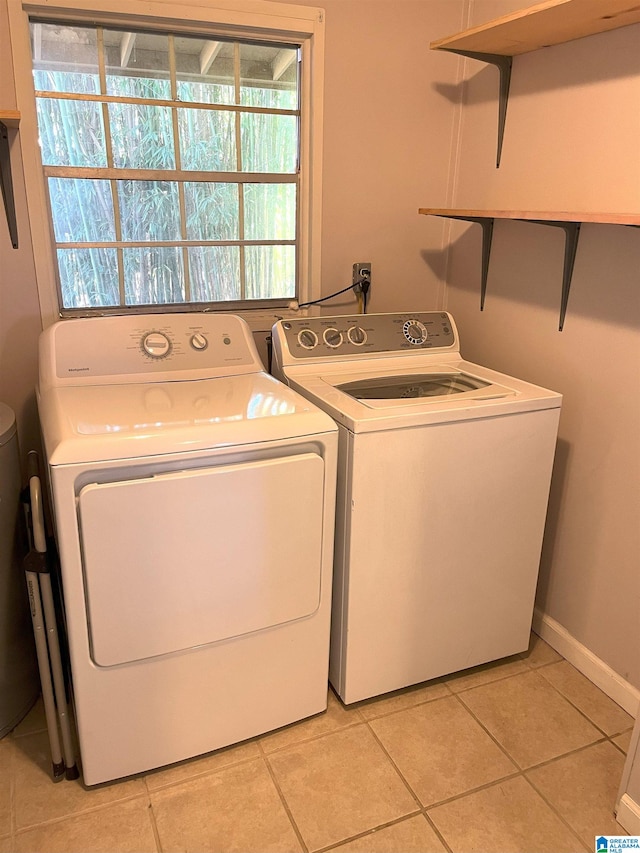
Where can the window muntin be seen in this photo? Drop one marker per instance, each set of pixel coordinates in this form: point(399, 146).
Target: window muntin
point(175, 179)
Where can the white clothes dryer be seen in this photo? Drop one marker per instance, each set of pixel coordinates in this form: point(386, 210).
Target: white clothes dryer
point(444, 470)
point(194, 499)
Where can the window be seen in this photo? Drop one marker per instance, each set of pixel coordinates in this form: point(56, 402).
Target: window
point(176, 161)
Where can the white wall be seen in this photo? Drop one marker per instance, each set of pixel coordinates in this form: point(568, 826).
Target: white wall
point(571, 143)
point(388, 140)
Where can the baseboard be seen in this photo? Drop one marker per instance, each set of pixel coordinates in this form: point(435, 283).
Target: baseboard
point(596, 670)
point(628, 815)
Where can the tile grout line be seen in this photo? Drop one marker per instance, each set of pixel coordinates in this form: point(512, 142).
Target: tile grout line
point(502, 748)
point(81, 813)
point(312, 738)
point(201, 775)
point(603, 735)
point(617, 746)
point(367, 832)
point(395, 766)
point(493, 784)
point(285, 805)
point(467, 673)
point(154, 827)
point(421, 807)
point(556, 812)
point(152, 816)
point(577, 708)
point(554, 761)
point(523, 771)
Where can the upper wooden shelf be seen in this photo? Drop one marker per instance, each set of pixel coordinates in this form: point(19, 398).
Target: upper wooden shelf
point(535, 215)
point(10, 118)
point(543, 25)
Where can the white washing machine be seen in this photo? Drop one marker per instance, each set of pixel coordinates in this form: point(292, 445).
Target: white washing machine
point(444, 470)
point(194, 501)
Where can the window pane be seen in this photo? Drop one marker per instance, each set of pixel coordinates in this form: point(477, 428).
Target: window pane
point(153, 275)
point(141, 136)
point(82, 210)
point(137, 64)
point(212, 211)
point(204, 71)
point(71, 133)
point(215, 273)
point(269, 76)
point(149, 210)
point(270, 211)
point(65, 59)
point(229, 105)
point(88, 277)
point(270, 272)
point(269, 143)
point(207, 140)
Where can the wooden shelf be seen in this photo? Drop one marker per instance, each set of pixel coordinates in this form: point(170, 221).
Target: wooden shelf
point(8, 118)
point(543, 25)
point(570, 221)
point(535, 215)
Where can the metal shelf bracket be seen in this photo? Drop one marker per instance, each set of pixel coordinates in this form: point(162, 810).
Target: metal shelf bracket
point(487, 236)
point(7, 185)
point(572, 234)
point(503, 64)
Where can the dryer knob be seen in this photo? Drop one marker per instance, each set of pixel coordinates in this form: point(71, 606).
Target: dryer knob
point(199, 342)
point(156, 344)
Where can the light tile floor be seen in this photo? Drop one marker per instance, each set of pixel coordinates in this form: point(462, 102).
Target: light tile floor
point(522, 755)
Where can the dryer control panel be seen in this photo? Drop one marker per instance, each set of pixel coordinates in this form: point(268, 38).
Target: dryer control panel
point(146, 348)
point(366, 334)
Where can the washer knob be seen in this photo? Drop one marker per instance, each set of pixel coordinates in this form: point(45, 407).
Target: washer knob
point(415, 331)
point(357, 335)
point(332, 337)
point(307, 338)
point(199, 342)
point(156, 344)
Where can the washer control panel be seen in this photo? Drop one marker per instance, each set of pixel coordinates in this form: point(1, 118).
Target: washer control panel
point(333, 337)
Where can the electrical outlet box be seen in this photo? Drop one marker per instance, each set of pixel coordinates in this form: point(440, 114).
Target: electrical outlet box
point(361, 272)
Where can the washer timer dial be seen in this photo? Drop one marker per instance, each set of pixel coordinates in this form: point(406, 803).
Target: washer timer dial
point(415, 332)
point(332, 337)
point(156, 344)
point(307, 338)
point(357, 335)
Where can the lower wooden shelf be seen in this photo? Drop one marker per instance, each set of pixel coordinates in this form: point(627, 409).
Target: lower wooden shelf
point(567, 220)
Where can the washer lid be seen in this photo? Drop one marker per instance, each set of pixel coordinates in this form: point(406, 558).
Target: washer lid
point(363, 400)
point(412, 386)
point(98, 422)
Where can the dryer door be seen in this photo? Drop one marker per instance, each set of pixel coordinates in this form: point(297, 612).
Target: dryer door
point(183, 559)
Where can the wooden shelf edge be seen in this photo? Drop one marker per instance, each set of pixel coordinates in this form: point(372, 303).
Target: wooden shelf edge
point(549, 23)
point(10, 118)
point(535, 215)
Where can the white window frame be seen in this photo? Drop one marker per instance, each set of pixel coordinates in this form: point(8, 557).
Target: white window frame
point(261, 19)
